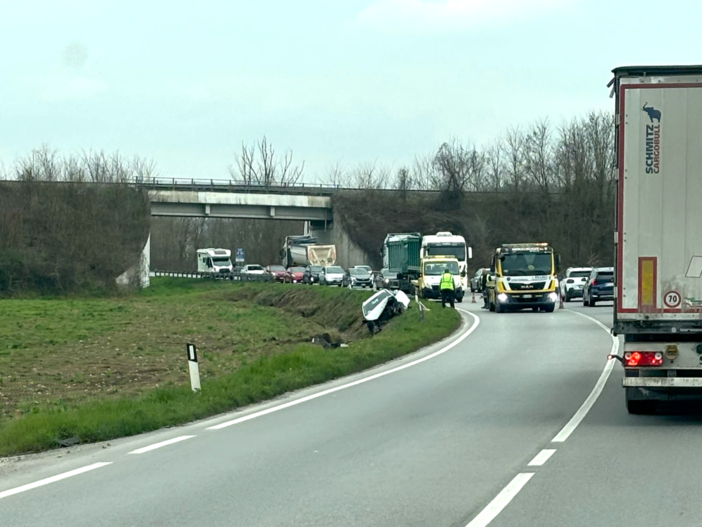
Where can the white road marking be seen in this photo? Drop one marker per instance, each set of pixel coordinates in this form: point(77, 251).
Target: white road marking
point(161, 444)
point(497, 505)
point(354, 383)
point(542, 457)
point(570, 427)
point(52, 479)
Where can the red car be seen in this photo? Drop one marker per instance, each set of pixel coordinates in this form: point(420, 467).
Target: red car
point(296, 274)
point(278, 273)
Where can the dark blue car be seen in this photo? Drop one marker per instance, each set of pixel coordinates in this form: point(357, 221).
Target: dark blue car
point(600, 286)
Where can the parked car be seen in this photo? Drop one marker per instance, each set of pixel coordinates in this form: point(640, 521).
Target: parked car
point(333, 275)
point(278, 272)
point(475, 280)
point(599, 286)
point(360, 277)
point(296, 274)
point(573, 282)
point(253, 269)
point(312, 274)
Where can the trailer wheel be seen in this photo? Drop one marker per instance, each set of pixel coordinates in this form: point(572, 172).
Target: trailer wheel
point(639, 406)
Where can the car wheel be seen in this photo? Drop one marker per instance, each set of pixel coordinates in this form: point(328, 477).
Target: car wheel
point(550, 308)
point(567, 296)
point(593, 302)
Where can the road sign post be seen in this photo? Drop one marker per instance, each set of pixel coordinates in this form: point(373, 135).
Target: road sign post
point(193, 367)
point(240, 255)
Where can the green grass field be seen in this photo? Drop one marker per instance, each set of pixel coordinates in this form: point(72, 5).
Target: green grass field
point(95, 369)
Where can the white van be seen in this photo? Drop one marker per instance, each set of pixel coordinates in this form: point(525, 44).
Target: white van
point(214, 261)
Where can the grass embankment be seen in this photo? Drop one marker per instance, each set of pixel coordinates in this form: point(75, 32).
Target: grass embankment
point(89, 370)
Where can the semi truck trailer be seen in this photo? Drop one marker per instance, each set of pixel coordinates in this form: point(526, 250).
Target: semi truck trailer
point(658, 272)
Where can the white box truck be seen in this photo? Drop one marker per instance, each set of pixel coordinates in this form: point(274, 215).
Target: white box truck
point(658, 293)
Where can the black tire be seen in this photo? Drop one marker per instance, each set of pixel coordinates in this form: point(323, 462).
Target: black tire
point(593, 302)
point(550, 308)
point(534, 309)
point(491, 306)
point(499, 308)
point(585, 304)
point(567, 296)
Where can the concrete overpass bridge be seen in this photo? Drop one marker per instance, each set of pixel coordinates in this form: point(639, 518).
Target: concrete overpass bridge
point(311, 204)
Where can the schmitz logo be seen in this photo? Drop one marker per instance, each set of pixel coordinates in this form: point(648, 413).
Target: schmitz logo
point(653, 140)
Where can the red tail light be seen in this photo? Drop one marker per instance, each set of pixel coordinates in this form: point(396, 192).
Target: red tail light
point(643, 358)
point(594, 281)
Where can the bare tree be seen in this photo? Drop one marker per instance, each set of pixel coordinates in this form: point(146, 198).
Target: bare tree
point(424, 173)
point(257, 164)
point(514, 151)
point(495, 168)
point(370, 176)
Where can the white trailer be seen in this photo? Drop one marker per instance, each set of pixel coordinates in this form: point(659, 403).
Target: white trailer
point(214, 261)
point(658, 294)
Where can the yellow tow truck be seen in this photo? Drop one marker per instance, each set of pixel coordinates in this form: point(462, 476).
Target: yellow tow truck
point(525, 276)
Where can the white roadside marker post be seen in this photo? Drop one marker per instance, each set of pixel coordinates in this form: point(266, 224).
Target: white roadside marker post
point(194, 368)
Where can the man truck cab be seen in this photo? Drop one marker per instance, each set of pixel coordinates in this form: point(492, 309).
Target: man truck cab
point(214, 261)
point(525, 276)
point(431, 269)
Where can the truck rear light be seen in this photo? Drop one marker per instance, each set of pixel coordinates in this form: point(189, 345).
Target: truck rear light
point(643, 358)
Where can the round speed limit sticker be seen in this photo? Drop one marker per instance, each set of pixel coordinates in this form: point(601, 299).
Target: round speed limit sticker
point(672, 299)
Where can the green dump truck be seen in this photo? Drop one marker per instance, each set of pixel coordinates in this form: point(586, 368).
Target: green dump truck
point(402, 257)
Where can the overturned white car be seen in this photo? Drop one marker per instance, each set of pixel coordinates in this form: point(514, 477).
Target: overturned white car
point(382, 306)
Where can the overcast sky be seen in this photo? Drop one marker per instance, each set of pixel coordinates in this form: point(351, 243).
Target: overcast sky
point(185, 82)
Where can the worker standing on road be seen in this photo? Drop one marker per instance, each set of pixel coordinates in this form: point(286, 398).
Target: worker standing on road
point(447, 288)
point(484, 287)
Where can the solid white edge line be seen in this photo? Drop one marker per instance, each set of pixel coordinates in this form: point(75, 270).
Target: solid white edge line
point(301, 400)
point(497, 505)
point(52, 479)
point(542, 457)
point(161, 444)
point(570, 427)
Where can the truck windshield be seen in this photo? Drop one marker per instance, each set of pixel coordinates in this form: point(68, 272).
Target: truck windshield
point(437, 268)
point(457, 251)
point(527, 264)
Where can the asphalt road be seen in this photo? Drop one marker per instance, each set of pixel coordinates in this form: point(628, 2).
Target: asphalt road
point(443, 442)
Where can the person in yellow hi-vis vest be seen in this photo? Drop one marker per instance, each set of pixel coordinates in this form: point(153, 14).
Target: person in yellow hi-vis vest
point(447, 288)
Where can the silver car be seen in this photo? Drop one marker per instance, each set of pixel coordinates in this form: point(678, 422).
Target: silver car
point(333, 275)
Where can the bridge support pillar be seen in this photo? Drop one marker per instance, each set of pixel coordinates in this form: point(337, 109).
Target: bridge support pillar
point(348, 253)
point(137, 276)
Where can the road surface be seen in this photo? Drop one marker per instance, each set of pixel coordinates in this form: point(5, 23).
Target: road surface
point(459, 434)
